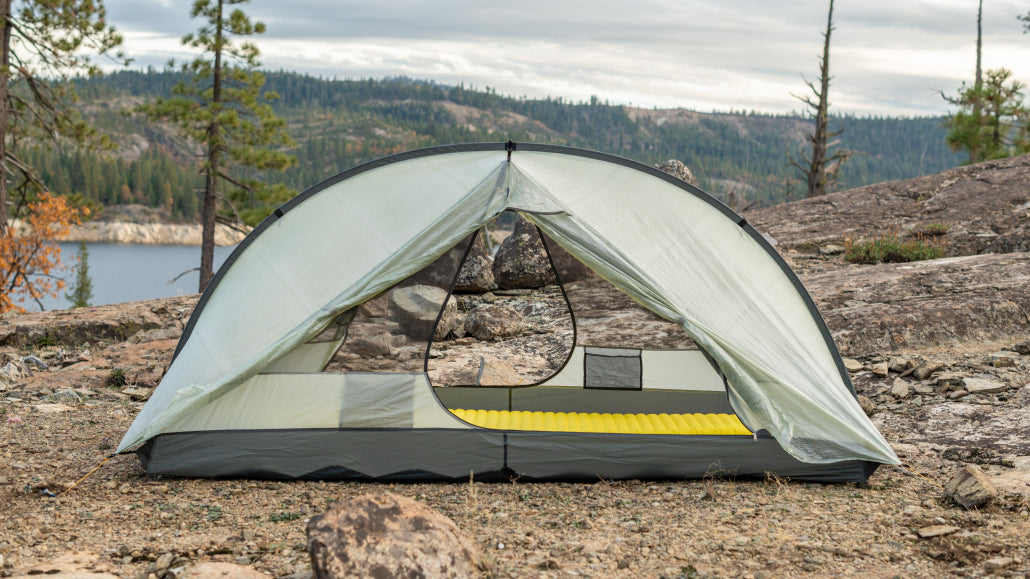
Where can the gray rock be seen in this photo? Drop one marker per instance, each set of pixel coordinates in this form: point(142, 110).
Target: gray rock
point(926, 369)
point(67, 395)
point(853, 365)
point(677, 169)
point(489, 321)
point(900, 389)
point(867, 405)
point(971, 487)
point(881, 369)
point(1002, 359)
point(898, 365)
point(998, 563)
point(378, 307)
point(379, 344)
point(984, 386)
point(387, 535)
point(476, 273)
point(417, 307)
point(521, 261)
point(495, 372)
point(936, 531)
point(947, 381)
point(137, 393)
point(1022, 348)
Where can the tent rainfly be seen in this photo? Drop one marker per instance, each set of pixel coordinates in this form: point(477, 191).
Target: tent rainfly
point(761, 389)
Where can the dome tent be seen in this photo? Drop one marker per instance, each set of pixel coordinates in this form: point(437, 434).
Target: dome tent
point(246, 395)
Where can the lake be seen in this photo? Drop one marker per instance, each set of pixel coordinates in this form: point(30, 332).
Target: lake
point(124, 272)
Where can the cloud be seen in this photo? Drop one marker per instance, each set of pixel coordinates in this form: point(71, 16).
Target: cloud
point(887, 57)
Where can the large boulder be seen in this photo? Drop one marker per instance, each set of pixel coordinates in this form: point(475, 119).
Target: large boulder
point(677, 169)
point(416, 308)
point(476, 273)
point(387, 535)
point(521, 261)
point(488, 321)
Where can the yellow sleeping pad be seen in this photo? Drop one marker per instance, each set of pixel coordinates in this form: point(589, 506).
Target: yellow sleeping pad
point(606, 423)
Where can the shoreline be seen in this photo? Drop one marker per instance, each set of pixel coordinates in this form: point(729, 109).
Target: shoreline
point(149, 233)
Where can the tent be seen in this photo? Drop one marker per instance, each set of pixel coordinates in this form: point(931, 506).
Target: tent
point(762, 390)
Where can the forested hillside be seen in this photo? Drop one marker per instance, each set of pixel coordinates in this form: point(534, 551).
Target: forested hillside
point(339, 124)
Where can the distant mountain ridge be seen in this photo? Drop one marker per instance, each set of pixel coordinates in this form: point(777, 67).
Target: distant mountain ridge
point(339, 124)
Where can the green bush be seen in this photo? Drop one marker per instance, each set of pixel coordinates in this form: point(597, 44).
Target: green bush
point(932, 230)
point(116, 379)
point(891, 249)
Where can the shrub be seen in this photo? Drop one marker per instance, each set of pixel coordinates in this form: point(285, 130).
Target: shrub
point(934, 229)
point(891, 249)
point(116, 379)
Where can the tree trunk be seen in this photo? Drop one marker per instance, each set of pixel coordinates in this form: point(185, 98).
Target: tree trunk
point(817, 176)
point(974, 153)
point(210, 209)
point(5, 62)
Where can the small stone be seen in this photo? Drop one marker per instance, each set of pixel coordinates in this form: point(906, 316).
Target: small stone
point(900, 389)
point(956, 394)
point(853, 365)
point(1002, 359)
point(926, 369)
point(898, 365)
point(946, 381)
point(138, 393)
point(1022, 348)
point(881, 369)
point(868, 406)
point(936, 531)
point(984, 386)
point(831, 249)
point(165, 561)
point(249, 534)
point(998, 563)
point(971, 487)
point(67, 395)
point(380, 344)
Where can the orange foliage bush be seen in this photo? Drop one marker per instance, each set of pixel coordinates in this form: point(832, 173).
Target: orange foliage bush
point(30, 258)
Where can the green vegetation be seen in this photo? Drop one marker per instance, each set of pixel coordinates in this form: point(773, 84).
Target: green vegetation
point(83, 290)
point(116, 378)
point(338, 124)
point(892, 249)
point(933, 229)
point(992, 122)
point(284, 517)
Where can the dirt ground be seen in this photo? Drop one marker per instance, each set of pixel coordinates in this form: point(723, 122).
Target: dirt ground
point(59, 424)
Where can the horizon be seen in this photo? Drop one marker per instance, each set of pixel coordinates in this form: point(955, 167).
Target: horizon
point(887, 59)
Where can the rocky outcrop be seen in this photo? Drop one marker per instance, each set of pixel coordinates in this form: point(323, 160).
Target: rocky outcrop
point(386, 536)
point(521, 261)
point(888, 307)
point(677, 169)
point(149, 233)
point(416, 308)
point(476, 273)
point(489, 322)
point(984, 207)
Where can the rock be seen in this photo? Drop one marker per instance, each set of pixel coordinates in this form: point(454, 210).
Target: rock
point(677, 169)
point(900, 389)
point(1015, 480)
point(496, 372)
point(138, 393)
point(386, 535)
point(1022, 348)
point(489, 321)
point(164, 561)
point(956, 394)
point(51, 408)
point(216, 570)
point(881, 369)
point(971, 487)
point(476, 273)
point(416, 308)
point(379, 344)
point(1002, 359)
point(521, 261)
point(853, 365)
point(157, 335)
point(71, 566)
point(947, 381)
point(569, 268)
point(378, 307)
point(936, 531)
point(868, 406)
point(998, 563)
point(926, 369)
point(898, 365)
point(983, 386)
point(831, 249)
point(67, 395)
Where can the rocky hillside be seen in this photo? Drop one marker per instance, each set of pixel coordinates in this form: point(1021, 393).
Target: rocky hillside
point(984, 208)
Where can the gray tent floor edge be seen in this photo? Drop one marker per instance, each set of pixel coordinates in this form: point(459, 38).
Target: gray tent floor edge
point(488, 455)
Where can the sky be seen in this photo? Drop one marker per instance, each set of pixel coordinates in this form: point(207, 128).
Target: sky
point(888, 57)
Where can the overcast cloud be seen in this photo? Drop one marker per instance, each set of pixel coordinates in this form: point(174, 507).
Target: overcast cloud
point(887, 57)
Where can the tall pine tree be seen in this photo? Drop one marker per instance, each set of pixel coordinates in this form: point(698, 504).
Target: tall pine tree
point(222, 108)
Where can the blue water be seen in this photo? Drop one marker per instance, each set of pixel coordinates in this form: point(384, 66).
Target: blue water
point(126, 272)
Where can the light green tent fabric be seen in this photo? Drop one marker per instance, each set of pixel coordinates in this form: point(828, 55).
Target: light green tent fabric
point(665, 244)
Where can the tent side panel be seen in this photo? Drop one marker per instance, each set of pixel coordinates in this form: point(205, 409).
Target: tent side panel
point(576, 456)
point(315, 454)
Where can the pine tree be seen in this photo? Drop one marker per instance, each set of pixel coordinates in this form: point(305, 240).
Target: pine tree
point(82, 293)
point(222, 108)
point(42, 45)
point(821, 169)
point(992, 121)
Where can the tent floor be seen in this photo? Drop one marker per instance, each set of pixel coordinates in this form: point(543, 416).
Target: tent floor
point(454, 455)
